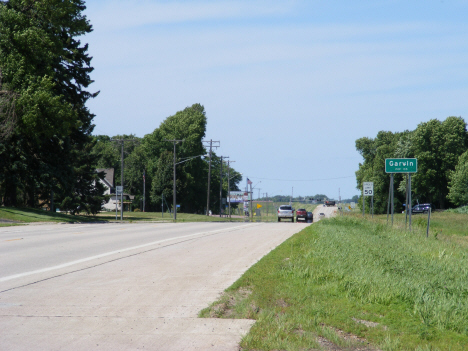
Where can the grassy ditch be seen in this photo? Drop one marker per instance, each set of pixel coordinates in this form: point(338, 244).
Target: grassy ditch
point(345, 282)
point(13, 215)
point(447, 225)
point(157, 216)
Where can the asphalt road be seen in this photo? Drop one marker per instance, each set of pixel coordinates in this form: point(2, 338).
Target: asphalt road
point(125, 286)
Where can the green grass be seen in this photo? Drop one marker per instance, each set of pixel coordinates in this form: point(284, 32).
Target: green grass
point(442, 224)
point(28, 215)
point(463, 209)
point(158, 216)
point(347, 279)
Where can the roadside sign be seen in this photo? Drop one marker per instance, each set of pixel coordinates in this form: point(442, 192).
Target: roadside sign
point(368, 188)
point(119, 189)
point(259, 206)
point(236, 197)
point(401, 165)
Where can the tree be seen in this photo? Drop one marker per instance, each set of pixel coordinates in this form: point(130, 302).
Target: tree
point(46, 127)
point(374, 152)
point(458, 184)
point(437, 146)
point(188, 125)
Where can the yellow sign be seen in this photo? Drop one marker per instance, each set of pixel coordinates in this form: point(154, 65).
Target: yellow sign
point(349, 207)
point(259, 206)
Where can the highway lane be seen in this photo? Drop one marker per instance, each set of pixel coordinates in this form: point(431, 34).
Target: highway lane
point(35, 248)
point(145, 293)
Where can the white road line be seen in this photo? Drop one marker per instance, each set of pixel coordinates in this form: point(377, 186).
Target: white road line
point(20, 275)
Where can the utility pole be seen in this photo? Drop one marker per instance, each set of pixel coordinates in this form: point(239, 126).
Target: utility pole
point(175, 142)
point(221, 185)
point(229, 187)
point(144, 188)
point(121, 141)
point(209, 174)
point(251, 199)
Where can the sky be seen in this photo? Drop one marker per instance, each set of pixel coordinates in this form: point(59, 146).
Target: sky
point(288, 86)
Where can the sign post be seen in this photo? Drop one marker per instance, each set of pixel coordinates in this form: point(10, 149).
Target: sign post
point(368, 190)
point(118, 191)
point(401, 165)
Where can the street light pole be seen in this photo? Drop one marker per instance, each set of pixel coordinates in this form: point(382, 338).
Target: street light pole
point(174, 187)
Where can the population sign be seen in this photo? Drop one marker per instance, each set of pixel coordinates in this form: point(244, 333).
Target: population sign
point(401, 165)
point(368, 188)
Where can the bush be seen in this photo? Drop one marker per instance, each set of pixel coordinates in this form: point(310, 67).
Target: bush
point(463, 209)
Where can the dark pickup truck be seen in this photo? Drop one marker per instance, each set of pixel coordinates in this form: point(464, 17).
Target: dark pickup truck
point(330, 203)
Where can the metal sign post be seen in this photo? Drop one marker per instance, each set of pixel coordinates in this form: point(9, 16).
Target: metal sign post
point(401, 165)
point(392, 197)
point(116, 199)
point(118, 191)
point(368, 190)
point(406, 203)
point(363, 203)
point(410, 208)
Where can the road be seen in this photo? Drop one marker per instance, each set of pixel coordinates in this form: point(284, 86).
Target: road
point(125, 286)
point(328, 212)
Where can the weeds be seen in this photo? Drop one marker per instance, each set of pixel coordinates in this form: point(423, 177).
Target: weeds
point(411, 291)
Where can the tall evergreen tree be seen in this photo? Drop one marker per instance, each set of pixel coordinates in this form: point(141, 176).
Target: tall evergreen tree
point(44, 73)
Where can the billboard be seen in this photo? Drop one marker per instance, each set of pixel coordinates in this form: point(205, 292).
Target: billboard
point(238, 197)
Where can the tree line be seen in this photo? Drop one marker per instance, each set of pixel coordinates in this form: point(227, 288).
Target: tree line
point(48, 154)
point(441, 148)
point(153, 155)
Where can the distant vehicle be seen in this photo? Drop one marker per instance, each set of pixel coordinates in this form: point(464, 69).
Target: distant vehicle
point(422, 208)
point(285, 211)
point(301, 214)
point(330, 203)
point(310, 217)
point(321, 215)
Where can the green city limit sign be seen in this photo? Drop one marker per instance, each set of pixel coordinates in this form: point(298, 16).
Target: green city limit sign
point(401, 165)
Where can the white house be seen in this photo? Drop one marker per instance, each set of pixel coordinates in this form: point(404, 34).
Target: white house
point(109, 184)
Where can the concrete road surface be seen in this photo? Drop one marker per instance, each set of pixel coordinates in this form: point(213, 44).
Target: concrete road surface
point(327, 211)
point(125, 287)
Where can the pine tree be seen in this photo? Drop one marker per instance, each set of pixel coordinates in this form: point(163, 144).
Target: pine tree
point(45, 124)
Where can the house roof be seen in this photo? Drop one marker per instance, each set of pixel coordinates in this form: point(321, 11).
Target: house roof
point(109, 176)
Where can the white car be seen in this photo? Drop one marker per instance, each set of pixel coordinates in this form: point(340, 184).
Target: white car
point(285, 211)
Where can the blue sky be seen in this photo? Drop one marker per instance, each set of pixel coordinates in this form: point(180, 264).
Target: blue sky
point(288, 86)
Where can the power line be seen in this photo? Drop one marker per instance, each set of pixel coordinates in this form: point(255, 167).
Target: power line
point(301, 180)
